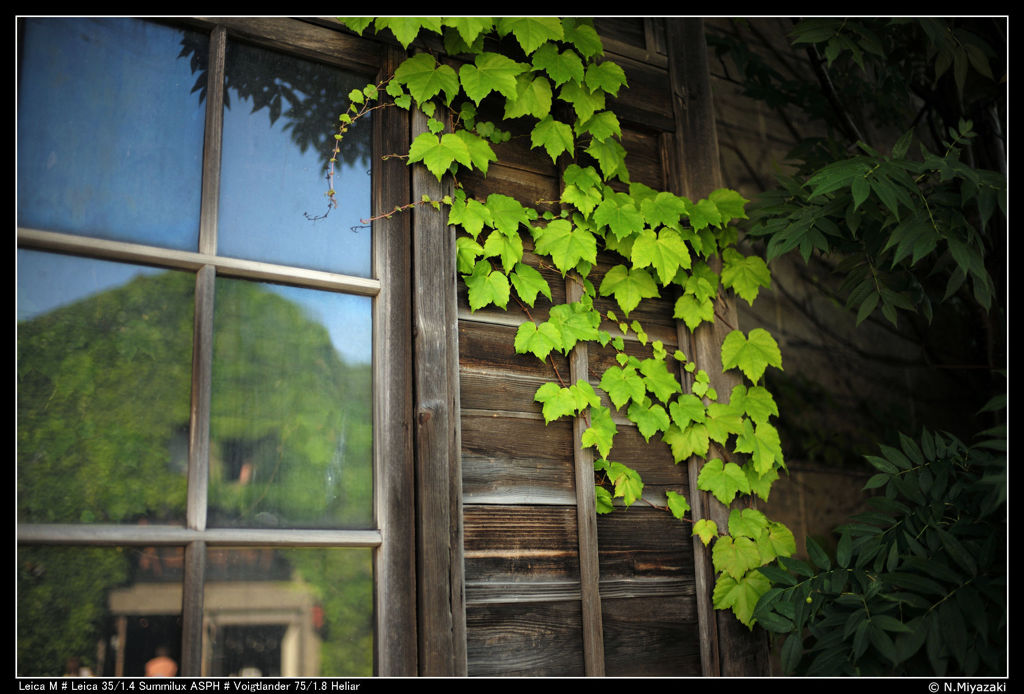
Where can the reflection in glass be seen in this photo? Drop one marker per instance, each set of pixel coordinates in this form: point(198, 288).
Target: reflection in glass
point(278, 121)
point(104, 373)
point(110, 135)
point(290, 426)
point(103, 611)
point(288, 613)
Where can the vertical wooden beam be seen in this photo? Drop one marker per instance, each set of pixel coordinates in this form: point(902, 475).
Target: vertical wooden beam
point(395, 562)
point(727, 647)
point(586, 518)
point(441, 584)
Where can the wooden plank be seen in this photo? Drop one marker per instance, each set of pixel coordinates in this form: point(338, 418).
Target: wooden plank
point(520, 543)
point(586, 516)
point(651, 637)
point(437, 431)
point(641, 542)
point(541, 639)
point(728, 648)
point(192, 610)
point(395, 563)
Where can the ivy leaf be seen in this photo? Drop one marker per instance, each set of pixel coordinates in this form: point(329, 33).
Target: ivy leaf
point(507, 213)
point(480, 152)
point(583, 102)
point(703, 214)
point(567, 245)
point(508, 248)
point(663, 209)
point(762, 443)
point(620, 215)
point(734, 556)
point(601, 126)
point(470, 214)
point(760, 484)
point(627, 482)
point(611, 157)
point(740, 594)
point(561, 67)
point(601, 431)
point(757, 402)
point(582, 36)
point(629, 286)
point(533, 98)
point(706, 530)
point(747, 522)
point(649, 418)
point(658, 380)
point(467, 251)
point(687, 408)
point(555, 136)
point(687, 441)
point(469, 28)
point(622, 385)
point(665, 250)
point(425, 79)
point(603, 499)
point(730, 204)
point(531, 32)
point(724, 481)
point(745, 275)
point(490, 72)
point(528, 283)
point(406, 29)
point(439, 153)
point(693, 311)
point(607, 76)
point(583, 199)
point(574, 322)
point(753, 354)
point(677, 504)
point(722, 421)
point(486, 286)
point(556, 402)
point(539, 340)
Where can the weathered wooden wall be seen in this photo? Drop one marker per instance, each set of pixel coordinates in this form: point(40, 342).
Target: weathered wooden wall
point(525, 546)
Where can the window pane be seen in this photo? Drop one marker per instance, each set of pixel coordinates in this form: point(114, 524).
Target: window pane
point(104, 374)
point(105, 611)
point(110, 130)
point(278, 136)
point(288, 613)
point(291, 439)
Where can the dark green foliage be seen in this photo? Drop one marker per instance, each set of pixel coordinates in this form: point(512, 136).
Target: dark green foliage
point(918, 584)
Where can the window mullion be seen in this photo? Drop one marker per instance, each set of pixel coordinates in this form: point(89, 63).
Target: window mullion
point(192, 610)
point(212, 142)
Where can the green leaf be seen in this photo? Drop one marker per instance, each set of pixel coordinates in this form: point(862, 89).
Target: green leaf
point(735, 555)
point(508, 248)
point(730, 204)
point(561, 67)
point(677, 504)
point(687, 408)
point(439, 153)
point(531, 32)
point(424, 79)
point(745, 275)
point(762, 442)
point(557, 402)
point(629, 286)
point(533, 98)
point(573, 322)
point(601, 430)
point(554, 136)
point(506, 213)
point(537, 340)
point(470, 214)
point(623, 385)
point(649, 418)
point(693, 310)
point(469, 28)
point(490, 72)
point(723, 480)
point(706, 530)
point(583, 102)
point(665, 250)
point(658, 379)
point(603, 499)
point(620, 215)
point(480, 152)
point(687, 441)
point(601, 126)
point(740, 594)
point(611, 157)
point(606, 76)
point(486, 286)
point(406, 29)
point(528, 282)
point(627, 482)
point(467, 251)
point(567, 245)
point(751, 355)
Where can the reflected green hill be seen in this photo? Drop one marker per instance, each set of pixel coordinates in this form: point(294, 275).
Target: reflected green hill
point(103, 426)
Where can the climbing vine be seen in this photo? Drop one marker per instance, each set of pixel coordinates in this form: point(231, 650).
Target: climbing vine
point(551, 75)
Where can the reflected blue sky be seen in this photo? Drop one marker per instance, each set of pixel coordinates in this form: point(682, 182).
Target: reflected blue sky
point(110, 137)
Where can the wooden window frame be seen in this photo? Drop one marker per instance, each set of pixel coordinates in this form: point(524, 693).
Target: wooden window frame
point(392, 540)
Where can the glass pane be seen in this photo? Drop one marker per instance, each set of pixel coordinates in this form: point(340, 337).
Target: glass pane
point(104, 374)
point(288, 613)
point(110, 130)
point(98, 611)
point(279, 117)
point(291, 440)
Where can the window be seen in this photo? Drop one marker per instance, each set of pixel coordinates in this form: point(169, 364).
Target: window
point(201, 446)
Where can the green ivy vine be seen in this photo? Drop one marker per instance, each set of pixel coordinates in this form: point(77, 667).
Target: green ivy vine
point(551, 75)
